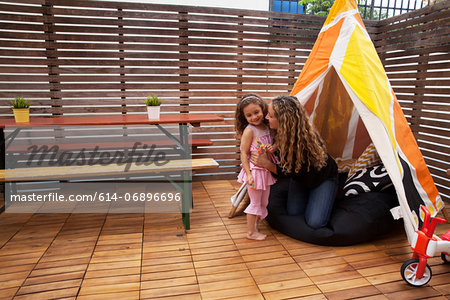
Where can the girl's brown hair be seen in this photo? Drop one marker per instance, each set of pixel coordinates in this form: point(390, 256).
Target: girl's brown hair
point(240, 121)
point(298, 141)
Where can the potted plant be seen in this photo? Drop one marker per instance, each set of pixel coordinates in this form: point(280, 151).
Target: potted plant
point(153, 106)
point(21, 109)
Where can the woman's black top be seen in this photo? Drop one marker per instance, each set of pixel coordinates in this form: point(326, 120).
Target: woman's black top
point(313, 177)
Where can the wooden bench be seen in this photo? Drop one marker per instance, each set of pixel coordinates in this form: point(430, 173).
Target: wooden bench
point(65, 173)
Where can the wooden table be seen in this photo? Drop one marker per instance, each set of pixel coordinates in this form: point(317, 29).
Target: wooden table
point(183, 120)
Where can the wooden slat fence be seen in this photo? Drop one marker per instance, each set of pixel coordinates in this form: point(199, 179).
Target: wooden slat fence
point(98, 57)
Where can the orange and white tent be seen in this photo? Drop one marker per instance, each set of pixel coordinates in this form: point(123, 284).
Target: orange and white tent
point(345, 89)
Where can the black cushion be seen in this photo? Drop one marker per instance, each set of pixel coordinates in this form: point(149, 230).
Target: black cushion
point(353, 220)
point(372, 179)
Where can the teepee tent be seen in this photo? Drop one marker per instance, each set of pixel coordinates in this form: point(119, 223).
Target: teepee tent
point(345, 89)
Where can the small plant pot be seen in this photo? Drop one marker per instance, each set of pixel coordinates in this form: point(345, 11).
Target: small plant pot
point(22, 115)
point(153, 112)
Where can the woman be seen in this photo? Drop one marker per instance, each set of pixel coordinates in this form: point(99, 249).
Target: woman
point(303, 157)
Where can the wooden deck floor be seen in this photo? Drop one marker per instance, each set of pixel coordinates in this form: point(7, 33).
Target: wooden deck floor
point(131, 256)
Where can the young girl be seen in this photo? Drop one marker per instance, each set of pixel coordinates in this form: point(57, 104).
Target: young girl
point(251, 125)
point(304, 159)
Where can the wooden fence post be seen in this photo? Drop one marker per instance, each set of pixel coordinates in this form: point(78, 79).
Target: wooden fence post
point(52, 58)
point(122, 63)
point(184, 61)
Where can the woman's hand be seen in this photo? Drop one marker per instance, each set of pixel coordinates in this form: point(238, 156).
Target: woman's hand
point(261, 160)
point(269, 148)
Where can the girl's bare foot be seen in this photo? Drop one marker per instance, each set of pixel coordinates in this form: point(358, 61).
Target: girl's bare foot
point(258, 236)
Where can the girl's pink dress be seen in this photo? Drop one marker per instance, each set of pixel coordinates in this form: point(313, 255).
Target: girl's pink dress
point(263, 179)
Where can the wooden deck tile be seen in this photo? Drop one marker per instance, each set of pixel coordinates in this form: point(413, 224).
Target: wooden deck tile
point(278, 277)
point(228, 284)
point(108, 273)
point(292, 293)
point(333, 277)
point(421, 293)
point(110, 288)
point(285, 284)
point(351, 293)
point(247, 291)
point(54, 278)
point(170, 291)
point(167, 274)
point(269, 262)
point(220, 269)
point(42, 287)
point(343, 284)
point(138, 256)
point(202, 279)
point(111, 280)
point(6, 294)
point(170, 282)
point(131, 295)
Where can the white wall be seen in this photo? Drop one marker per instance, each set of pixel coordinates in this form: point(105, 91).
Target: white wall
point(242, 4)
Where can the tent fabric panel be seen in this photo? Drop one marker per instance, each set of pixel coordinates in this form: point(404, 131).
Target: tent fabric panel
point(363, 71)
point(321, 51)
point(345, 46)
point(338, 8)
point(421, 177)
point(381, 139)
point(310, 104)
point(413, 197)
point(360, 21)
point(333, 113)
point(363, 138)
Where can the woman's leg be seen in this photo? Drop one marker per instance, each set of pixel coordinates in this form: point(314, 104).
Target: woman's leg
point(297, 199)
point(320, 204)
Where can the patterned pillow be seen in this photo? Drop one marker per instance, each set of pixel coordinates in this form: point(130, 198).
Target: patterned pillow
point(371, 179)
point(344, 166)
point(367, 159)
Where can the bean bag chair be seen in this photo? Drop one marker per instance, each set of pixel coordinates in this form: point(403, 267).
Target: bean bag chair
point(360, 214)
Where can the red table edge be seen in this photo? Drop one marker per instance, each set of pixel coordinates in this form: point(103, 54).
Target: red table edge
point(194, 119)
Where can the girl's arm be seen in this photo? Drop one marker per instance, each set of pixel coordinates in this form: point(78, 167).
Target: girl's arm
point(246, 142)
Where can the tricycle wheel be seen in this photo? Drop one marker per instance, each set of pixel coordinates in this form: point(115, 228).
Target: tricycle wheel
point(445, 257)
point(409, 270)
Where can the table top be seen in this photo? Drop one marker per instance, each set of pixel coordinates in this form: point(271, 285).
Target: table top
point(194, 119)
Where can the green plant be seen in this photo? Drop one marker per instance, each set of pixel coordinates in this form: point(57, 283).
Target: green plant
point(322, 8)
point(316, 7)
point(20, 103)
point(153, 100)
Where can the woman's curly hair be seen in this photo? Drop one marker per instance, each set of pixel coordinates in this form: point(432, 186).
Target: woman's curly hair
point(296, 138)
point(240, 121)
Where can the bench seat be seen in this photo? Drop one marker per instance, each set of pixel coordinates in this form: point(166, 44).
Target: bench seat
point(63, 173)
point(76, 172)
